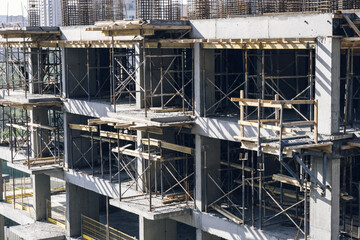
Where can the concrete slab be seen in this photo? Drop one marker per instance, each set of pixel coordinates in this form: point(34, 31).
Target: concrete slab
point(16, 215)
point(140, 206)
point(126, 112)
point(19, 97)
point(53, 170)
point(39, 231)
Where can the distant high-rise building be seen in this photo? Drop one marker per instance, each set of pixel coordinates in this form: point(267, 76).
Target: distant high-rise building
point(50, 12)
point(44, 12)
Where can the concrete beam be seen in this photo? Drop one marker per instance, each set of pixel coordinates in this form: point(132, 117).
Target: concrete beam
point(157, 230)
point(327, 84)
point(201, 235)
point(274, 26)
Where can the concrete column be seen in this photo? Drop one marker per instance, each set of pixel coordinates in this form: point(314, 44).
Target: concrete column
point(207, 154)
point(67, 154)
point(41, 189)
point(157, 229)
point(325, 210)
point(201, 235)
point(139, 75)
point(327, 84)
point(64, 92)
point(204, 68)
point(140, 164)
point(80, 201)
point(40, 116)
point(2, 225)
point(1, 183)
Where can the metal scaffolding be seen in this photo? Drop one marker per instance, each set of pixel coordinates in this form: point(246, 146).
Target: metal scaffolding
point(30, 143)
point(163, 176)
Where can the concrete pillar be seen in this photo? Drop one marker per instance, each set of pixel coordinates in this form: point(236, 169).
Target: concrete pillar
point(41, 189)
point(80, 201)
point(327, 84)
point(201, 235)
point(139, 75)
point(325, 210)
point(1, 183)
point(204, 68)
point(2, 225)
point(163, 229)
point(207, 154)
point(64, 90)
point(67, 148)
point(40, 116)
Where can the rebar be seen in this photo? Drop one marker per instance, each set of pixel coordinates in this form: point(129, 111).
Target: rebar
point(87, 12)
point(208, 9)
point(158, 9)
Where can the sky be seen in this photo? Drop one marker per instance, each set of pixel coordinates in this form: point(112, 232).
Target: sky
point(14, 7)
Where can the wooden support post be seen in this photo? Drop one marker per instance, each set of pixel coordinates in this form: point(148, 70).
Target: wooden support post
point(242, 114)
point(316, 121)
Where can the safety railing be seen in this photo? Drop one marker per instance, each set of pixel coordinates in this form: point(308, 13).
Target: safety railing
point(56, 213)
point(94, 230)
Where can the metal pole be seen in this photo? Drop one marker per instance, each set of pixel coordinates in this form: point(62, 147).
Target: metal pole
point(101, 154)
point(88, 72)
point(119, 156)
point(107, 219)
point(149, 178)
point(27, 138)
point(252, 191)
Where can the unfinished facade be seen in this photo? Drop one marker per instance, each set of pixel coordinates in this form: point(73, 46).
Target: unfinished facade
point(240, 122)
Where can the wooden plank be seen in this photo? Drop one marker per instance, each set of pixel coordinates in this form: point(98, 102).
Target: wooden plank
point(325, 147)
point(299, 123)
point(170, 146)
point(266, 149)
point(286, 192)
point(254, 103)
point(82, 127)
point(235, 165)
point(96, 122)
point(153, 142)
point(254, 139)
point(287, 179)
point(36, 125)
point(114, 135)
point(167, 110)
point(17, 126)
point(293, 102)
point(227, 214)
point(354, 144)
point(266, 126)
point(98, 138)
point(150, 129)
point(134, 153)
point(352, 25)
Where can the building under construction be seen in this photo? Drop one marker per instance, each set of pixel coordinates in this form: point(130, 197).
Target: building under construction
point(239, 120)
